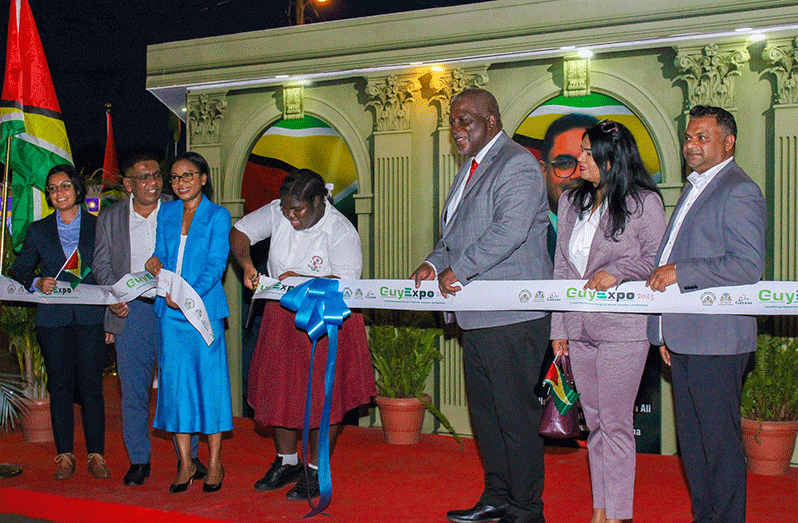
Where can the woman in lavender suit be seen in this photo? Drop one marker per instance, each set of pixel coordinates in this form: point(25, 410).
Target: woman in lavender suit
point(610, 226)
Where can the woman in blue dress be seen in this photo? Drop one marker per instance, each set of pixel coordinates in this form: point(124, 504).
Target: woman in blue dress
point(194, 384)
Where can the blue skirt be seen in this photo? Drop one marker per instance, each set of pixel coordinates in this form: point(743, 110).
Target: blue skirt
point(193, 379)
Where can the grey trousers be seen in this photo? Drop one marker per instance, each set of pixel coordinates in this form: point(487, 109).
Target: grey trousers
point(607, 376)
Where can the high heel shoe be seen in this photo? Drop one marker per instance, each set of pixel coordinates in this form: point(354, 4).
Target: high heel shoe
point(213, 488)
point(174, 488)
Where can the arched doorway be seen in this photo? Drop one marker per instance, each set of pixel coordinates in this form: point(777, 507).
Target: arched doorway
point(306, 143)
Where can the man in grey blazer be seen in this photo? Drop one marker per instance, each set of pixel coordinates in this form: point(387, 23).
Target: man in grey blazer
point(716, 237)
point(124, 240)
point(494, 228)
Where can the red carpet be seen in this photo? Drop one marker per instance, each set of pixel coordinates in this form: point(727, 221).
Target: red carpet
point(372, 482)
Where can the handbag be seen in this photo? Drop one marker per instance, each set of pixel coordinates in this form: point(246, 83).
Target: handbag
point(555, 424)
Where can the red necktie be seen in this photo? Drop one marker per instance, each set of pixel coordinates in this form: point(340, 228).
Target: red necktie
point(473, 168)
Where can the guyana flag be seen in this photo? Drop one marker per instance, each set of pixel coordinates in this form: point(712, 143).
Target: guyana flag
point(30, 116)
point(306, 143)
point(563, 395)
point(73, 270)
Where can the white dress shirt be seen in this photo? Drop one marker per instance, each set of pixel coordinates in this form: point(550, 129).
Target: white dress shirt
point(699, 183)
point(582, 237)
point(142, 239)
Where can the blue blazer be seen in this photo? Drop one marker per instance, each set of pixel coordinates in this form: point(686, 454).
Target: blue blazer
point(205, 257)
point(42, 249)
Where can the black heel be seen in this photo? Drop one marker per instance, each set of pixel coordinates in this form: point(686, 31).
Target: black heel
point(174, 488)
point(213, 488)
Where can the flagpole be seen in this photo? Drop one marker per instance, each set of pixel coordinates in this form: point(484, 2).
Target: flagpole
point(6, 180)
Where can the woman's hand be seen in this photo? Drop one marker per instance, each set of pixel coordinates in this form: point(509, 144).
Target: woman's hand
point(170, 302)
point(46, 284)
point(153, 266)
point(251, 277)
point(560, 347)
point(288, 274)
point(601, 281)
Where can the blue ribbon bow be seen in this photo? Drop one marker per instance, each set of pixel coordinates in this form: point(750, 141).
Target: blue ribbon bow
point(319, 308)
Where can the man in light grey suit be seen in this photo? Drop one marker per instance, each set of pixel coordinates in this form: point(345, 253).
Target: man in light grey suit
point(124, 240)
point(494, 228)
point(716, 237)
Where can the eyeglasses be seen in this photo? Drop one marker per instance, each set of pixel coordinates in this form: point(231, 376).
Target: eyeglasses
point(187, 177)
point(63, 186)
point(564, 165)
point(608, 126)
point(147, 177)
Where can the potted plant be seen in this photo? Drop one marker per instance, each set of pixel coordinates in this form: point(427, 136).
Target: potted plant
point(403, 356)
point(770, 406)
point(16, 321)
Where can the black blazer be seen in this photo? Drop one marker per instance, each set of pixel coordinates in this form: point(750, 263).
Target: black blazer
point(42, 249)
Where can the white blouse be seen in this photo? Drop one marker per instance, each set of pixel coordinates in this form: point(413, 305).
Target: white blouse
point(330, 247)
point(582, 238)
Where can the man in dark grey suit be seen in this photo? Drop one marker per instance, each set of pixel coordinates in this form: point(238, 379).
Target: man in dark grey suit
point(716, 237)
point(124, 240)
point(494, 228)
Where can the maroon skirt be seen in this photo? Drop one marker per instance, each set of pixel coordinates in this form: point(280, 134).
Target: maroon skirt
point(278, 375)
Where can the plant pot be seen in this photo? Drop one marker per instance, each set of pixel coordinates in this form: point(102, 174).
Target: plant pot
point(771, 454)
point(37, 427)
point(401, 419)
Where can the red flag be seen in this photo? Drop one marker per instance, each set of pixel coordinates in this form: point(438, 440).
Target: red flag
point(110, 165)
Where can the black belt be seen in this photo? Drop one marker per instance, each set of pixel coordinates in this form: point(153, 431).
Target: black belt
point(151, 301)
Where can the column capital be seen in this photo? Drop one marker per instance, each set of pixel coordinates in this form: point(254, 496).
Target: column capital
point(205, 113)
point(709, 72)
point(782, 56)
point(391, 97)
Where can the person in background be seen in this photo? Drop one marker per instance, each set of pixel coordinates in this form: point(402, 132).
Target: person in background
point(71, 336)
point(309, 237)
point(193, 379)
point(611, 223)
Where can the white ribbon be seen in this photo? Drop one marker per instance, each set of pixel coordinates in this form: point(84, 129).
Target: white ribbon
point(126, 289)
point(763, 298)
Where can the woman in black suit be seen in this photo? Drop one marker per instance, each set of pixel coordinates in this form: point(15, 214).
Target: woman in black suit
point(71, 336)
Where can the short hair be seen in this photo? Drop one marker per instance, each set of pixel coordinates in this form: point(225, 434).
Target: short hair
point(77, 182)
point(202, 166)
point(139, 156)
point(562, 124)
point(486, 97)
point(722, 117)
point(303, 185)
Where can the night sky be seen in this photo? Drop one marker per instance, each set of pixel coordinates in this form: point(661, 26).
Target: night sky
point(96, 50)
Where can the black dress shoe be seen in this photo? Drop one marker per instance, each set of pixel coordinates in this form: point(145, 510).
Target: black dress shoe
point(279, 475)
point(136, 475)
point(479, 513)
point(307, 487)
point(527, 517)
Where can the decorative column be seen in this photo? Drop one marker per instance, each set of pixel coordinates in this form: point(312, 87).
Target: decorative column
point(449, 371)
point(392, 98)
point(709, 73)
point(782, 55)
point(204, 136)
